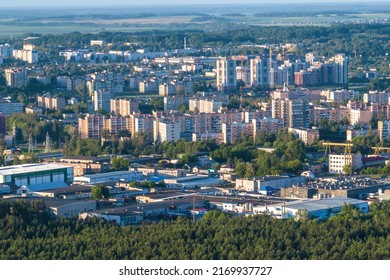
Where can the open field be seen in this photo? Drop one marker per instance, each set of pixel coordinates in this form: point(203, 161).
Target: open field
point(7, 31)
point(17, 22)
point(145, 20)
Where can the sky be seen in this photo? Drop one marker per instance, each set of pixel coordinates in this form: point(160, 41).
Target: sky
point(69, 3)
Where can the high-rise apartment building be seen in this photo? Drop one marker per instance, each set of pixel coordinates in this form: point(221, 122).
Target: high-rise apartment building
point(141, 123)
point(101, 100)
point(124, 107)
point(259, 72)
point(49, 102)
point(166, 130)
point(267, 125)
point(16, 78)
point(6, 50)
point(235, 131)
point(106, 81)
point(226, 75)
point(204, 105)
point(341, 61)
point(91, 126)
point(294, 112)
point(384, 129)
point(27, 54)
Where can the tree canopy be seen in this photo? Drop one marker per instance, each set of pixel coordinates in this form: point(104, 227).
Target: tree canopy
point(28, 232)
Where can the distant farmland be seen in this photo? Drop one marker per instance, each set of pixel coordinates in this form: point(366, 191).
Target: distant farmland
point(17, 23)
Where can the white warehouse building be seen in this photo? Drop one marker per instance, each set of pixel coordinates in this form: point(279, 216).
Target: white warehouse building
point(320, 209)
point(116, 176)
point(37, 176)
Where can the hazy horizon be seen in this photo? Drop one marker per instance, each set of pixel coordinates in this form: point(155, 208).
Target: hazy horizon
point(74, 3)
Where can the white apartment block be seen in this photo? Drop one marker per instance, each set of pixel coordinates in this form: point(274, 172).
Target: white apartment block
point(172, 103)
point(259, 72)
point(202, 136)
point(16, 77)
point(358, 116)
point(91, 126)
point(351, 133)
point(6, 50)
point(376, 97)
point(226, 75)
point(205, 105)
point(27, 54)
point(342, 68)
point(384, 129)
point(124, 107)
point(101, 100)
point(53, 103)
point(97, 43)
point(338, 162)
point(308, 136)
point(266, 124)
point(235, 131)
point(340, 95)
point(166, 130)
point(167, 89)
point(141, 123)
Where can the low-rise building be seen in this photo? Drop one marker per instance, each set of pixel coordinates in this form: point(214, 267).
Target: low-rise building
point(67, 208)
point(384, 129)
point(351, 187)
point(33, 110)
point(338, 163)
point(319, 209)
point(53, 103)
point(37, 176)
point(276, 182)
point(9, 108)
point(110, 177)
point(308, 136)
point(358, 116)
point(85, 165)
point(72, 192)
point(119, 216)
point(134, 214)
point(192, 182)
point(359, 132)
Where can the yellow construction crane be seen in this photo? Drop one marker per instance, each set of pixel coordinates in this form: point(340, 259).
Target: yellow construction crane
point(378, 149)
point(347, 147)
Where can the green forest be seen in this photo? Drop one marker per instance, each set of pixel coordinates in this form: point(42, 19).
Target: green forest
point(27, 231)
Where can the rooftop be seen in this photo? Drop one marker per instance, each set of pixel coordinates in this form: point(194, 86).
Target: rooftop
point(167, 195)
point(69, 190)
point(102, 175)
point(26, 168)
point(54, 203)
point(344, 183)
point(327, 203)
point(147, 206)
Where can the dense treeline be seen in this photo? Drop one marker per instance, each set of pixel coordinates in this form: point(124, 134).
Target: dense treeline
point(243, 155)
point(367, 39)
point(28, 232)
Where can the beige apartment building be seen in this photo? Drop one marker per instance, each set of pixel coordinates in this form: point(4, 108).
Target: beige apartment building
point(124, 107)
